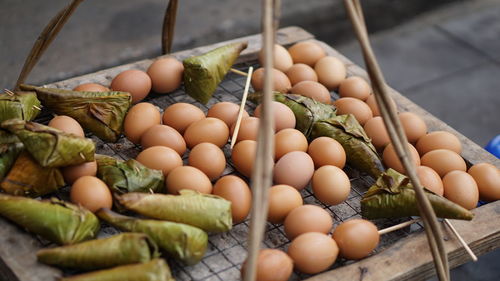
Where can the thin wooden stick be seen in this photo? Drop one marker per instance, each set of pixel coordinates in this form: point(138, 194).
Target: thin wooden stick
point(398, 226)
point(234, 70)
point(462, 241)
point(242, 108)
point(168, 29)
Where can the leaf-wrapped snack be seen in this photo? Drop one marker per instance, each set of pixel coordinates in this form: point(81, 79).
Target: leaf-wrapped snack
point(19, 105)
point(393, 196)
point(10, 148)
point(51, 147)
point(202, 74)
point(208, 212)
point(345, 129)
point(125, 248)
point(155, 270)
point(184, 242)
point(102, 113)
point(55, 220)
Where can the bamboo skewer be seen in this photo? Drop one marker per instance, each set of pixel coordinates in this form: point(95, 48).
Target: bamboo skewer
point(168, 29)
point(242, 108)
point(461, 240)
point(398, 226)
point(239, 72)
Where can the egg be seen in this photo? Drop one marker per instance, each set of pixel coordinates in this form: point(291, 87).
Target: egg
point(313, 252)
point(282, 60)
point(307, 218)
point(355, 87)
point(91, 87)
point(226, 111)
point(461, 188)
point(438, 140)
point(330, 185)
point(356, 238)
point(72, 173)
point(281, 83)
point(306, 52)
point(91, 193)
point(356, 107)
point(210, 130)
point(443, 161)
point(249, 129)
point(487, 178)
point(294, 168)
point(163, 135)
point(372, 103)
point(430, 179)
point(331, 71)
point(301, 72)
point(67, 124)
point(187, 177)
point(283, 116)
point(165, 74)
point(236, 190)
point(272, 265)
point(289, 140)
point(313, 90)
point(243, 156)
point(160, 158)
point(413, 125)
point(209, 158)
point(327, 151)
point(391, 159)
point(136, 82)
point(180, 115)
point(139, 119)
point(376, 131)
point(282, 200)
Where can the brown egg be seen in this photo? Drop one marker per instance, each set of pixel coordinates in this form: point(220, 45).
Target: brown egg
point(283, 116)
point(356, 107)
point(301, 72)
point(272, 265)
point(180, 115)
point(282, 200)
point(210, 130)
point(294, 168)
point(331, 71)
point(136, 82)
point(236, 190)
point(487, 178)
point(282, 60)
point(372, 103)
point(443, 161)
point(327, 151)
point(166, 74)
point(163, 135)
point(355, 87)
point(209, 158)
point(413, 125)
point(139, 119)
point(249, 129)
point(391, 159)
point(356, 238)
point(288, 140)
point(438, 140)
point(461, 188)
point(72, 173)
point(375, 129)
point(313, 90)
point(91, 87)
point(187, 177)
point(243, 156)
point(160, 158)
point(281, 83)
point(306, 52)
point(67, 124)
point(313, 252)
point(430, 179)
point(331, 185)
point(307, 218)
point(226, 111)
point(92, 193)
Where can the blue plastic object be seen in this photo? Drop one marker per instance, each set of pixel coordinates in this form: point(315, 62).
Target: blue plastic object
point(494, 146)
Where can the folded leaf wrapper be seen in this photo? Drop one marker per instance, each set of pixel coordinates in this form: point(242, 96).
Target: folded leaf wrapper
point(102, 113)
point(393, 196)
point(125, 248)
point(51, 147)
point(10, 148)
point(181, 241)
point(202, 74)
point(360, 152)
point(19, 105)
point(155, 270)
point(54, 220)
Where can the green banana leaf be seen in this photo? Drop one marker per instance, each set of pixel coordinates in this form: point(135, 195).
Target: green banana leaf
point(202, 74)
point(51, 147)
point(181, 241)
point(102, 113)
point(155, 270)
point(55, 220)
point(10, 148)
point(208, 212)
point(125, 248)
point(19, 105)
point(393, 196)
point(360, 152)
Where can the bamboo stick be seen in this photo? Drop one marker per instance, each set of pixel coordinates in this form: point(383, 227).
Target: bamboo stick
point(168, 29)
point(242, 108)
point(461, 240)
point(239, 72)
point(397, 226)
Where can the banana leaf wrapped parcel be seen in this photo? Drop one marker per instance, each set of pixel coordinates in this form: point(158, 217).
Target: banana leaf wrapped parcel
point(124, 248)
point(393, 196)
point(10, 148)
point(19, 105)
point(54, 220)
